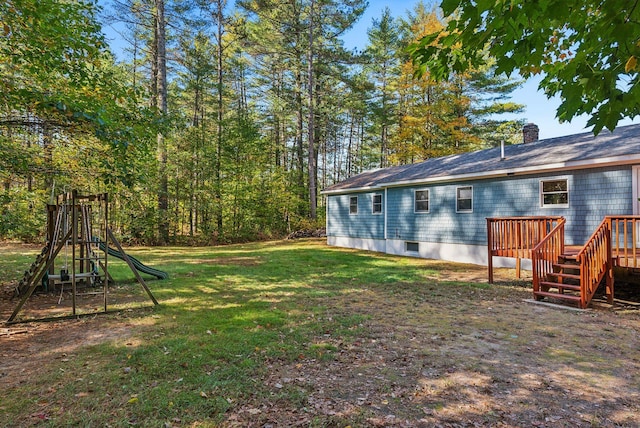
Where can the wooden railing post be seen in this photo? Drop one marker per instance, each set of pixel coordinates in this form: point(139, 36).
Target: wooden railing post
point(490, 249)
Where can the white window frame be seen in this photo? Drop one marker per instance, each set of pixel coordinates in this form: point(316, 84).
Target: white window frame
point(470, 210)
point(415, 201)
point(373, 204)
point(350, 199)
point(542, 193)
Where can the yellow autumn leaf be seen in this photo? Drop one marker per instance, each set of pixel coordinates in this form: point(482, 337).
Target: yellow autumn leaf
point(133, 400)
point(631, 64)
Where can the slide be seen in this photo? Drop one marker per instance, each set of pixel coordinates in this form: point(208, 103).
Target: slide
point(137, 263)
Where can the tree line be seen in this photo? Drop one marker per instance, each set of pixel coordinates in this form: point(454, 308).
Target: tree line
point(217, 122)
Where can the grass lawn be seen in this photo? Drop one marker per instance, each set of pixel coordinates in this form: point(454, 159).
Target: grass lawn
point(295, 333)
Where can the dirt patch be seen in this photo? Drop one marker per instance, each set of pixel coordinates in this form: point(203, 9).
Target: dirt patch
point(27, 349)
point(484, 358)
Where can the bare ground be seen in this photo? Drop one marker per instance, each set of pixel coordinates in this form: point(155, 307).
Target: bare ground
point(447, 356)
point(490, 361)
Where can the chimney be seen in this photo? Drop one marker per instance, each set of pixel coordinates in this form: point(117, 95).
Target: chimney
point(530, 133)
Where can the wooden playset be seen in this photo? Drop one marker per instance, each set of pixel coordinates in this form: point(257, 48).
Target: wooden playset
point(78, 241)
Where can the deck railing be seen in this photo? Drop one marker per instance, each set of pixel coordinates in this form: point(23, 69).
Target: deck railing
point(516, 236)
point(595, 262)
point(546, 253)
point(625, 247)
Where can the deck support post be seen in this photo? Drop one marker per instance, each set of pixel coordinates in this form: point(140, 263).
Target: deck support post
point(610, 280)
point(490, 250)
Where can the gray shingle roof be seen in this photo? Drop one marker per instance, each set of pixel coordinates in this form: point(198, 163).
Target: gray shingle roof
point(622, 146)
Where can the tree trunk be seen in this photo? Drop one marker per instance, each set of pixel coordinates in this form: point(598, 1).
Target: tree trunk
point(218, 164)
point(312, 155)
point(299, 138)
point(163, 185)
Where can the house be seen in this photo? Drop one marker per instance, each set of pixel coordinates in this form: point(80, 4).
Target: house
point(438, 208)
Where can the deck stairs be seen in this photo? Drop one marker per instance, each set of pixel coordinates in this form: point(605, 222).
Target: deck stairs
point(574, 274)
point(563, 283)
point(564, 273)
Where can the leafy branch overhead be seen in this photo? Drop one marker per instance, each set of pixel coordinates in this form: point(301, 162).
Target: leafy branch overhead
point(55, 64)
point(586, 50)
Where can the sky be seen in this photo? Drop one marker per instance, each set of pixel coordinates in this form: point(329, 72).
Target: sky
point(539, 109)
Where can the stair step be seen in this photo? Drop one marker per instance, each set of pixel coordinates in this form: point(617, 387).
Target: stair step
point(566, 266)
point(560, 286)
point(557, 296)
point(564, 275)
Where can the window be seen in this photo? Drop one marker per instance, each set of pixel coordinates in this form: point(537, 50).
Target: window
point(377, 204)
point(353, 205)
point(554, 193)
point(421, 201)
point(464, 199)
point(411, 247)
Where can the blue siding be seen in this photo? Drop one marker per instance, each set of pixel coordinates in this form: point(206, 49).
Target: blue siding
point(365, 224)
point(593, 194)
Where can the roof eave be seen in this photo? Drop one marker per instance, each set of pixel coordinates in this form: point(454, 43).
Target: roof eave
point(559, 166)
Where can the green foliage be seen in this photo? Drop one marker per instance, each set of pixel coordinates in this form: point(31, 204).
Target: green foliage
point(57, 77)
point(586, 50)
point(17, 218)
point(439, 118)
point(241, 155)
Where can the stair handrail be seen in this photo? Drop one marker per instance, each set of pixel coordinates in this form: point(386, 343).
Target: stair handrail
point(546, 253)
point(596, 262)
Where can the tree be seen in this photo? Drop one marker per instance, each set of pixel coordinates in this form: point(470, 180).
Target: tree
point(586, 50)
point(161, 96)
point(305, 36)
point(489, 94)
point(432, 119)
point(59, 83)
point(67, 117)
point(382, 64)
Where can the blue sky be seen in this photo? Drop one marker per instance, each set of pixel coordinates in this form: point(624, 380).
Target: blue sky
point(539, 109)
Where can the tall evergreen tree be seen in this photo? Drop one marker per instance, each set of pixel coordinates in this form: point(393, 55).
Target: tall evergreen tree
point(381, 62)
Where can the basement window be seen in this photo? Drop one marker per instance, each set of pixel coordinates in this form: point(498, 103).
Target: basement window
point(554, 193)
point(411, 247)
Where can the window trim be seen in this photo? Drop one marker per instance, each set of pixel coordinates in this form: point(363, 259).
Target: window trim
point(465, 211)
point(351, 198)
point(542, 193)
point(415, 201)
point(373, 204)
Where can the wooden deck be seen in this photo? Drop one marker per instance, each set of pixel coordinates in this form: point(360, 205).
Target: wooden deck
point(570, 273)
